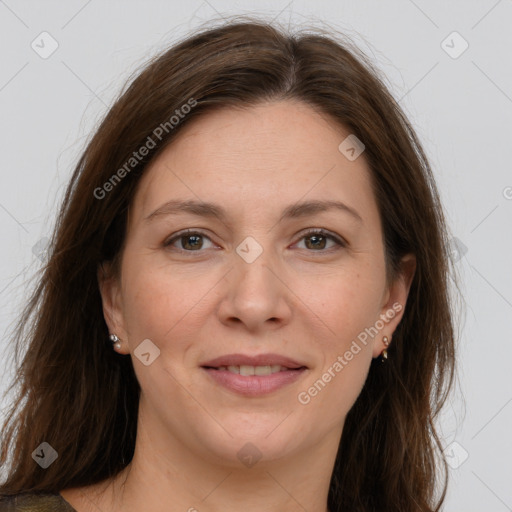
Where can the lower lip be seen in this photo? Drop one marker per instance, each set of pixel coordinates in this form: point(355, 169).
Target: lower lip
point(254, 385)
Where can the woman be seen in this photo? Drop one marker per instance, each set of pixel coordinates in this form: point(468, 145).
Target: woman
point(246, 302)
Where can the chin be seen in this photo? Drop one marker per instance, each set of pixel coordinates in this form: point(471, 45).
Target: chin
point(251, 444)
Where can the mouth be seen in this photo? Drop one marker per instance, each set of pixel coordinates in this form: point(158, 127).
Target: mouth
point(254, 375)
point(247, 370)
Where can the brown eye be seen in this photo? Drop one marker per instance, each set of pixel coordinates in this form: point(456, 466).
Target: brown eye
point(317, 240)
point(190, 241)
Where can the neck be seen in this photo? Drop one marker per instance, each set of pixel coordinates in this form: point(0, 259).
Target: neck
point(166, 472)
point(152, 482)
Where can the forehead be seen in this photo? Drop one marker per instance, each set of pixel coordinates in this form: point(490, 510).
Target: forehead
point(272, 153)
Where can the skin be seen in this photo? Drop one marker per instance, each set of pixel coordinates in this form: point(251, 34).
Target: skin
point(299, 299)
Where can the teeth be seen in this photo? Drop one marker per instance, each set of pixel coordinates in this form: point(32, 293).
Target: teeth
point(247, 370)
point(262, 370)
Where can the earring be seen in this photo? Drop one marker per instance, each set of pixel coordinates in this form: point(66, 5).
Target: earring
point(115, 340)
point(385, 340)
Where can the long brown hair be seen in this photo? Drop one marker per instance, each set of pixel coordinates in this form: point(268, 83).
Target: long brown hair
point(75, 393)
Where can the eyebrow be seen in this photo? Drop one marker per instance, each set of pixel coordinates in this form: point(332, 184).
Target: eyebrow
point(293, 211)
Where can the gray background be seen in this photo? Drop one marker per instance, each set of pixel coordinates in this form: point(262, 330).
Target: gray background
point(461, 108)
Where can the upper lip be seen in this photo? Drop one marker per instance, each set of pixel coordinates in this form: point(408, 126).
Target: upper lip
point(255, 360)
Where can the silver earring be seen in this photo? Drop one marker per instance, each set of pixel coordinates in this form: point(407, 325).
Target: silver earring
point(115, 340)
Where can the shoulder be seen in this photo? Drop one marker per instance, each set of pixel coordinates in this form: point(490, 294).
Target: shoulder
point(32, 502)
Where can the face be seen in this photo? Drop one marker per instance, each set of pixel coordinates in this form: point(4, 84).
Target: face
point(257, 280)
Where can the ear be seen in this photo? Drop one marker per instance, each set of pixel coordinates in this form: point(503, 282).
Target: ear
point(111, 299)
point(394, 302)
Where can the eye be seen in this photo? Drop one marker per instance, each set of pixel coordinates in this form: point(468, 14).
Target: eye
point(318, 239)
point(191, 241)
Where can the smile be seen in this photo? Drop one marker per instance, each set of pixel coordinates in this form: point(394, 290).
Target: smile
point(247, 370)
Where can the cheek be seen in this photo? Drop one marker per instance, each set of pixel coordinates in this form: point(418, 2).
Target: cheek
point(332, 393)
point(343, 367)
point(346, 302)
point(159, 304)
point(348, 307)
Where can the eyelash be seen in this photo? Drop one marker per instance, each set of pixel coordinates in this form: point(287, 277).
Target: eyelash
point(312, 231)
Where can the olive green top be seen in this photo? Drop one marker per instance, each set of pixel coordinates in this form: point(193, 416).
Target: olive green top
point(29, 502)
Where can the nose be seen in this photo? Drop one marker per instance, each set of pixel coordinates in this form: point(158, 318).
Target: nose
point(256, 296)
